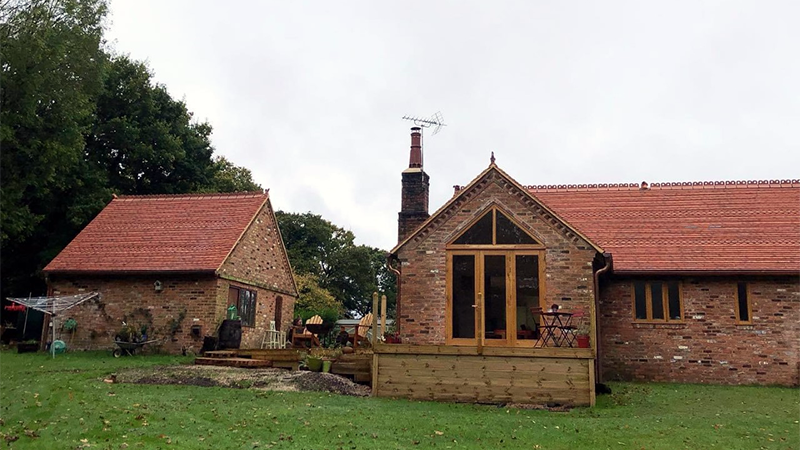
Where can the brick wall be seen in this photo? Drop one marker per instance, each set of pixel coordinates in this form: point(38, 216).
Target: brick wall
point(708, 347)
point(421, 305)
point(258, 263)
point(266, 301)
point(259, 258)
point(99, 320)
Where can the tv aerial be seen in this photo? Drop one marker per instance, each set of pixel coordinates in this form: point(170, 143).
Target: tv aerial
point(436, 121)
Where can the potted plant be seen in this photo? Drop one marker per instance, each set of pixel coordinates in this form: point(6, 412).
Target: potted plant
point(321, 359)
point(582, 335)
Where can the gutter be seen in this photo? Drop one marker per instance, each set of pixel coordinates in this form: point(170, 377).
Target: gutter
point(598, 349)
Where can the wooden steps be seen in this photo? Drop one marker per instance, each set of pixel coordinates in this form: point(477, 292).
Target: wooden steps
point(284, 358)
point(233, 362)
point(220, 354)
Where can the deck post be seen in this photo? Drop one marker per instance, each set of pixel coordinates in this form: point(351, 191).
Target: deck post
point(374, 318)
point(383, 315)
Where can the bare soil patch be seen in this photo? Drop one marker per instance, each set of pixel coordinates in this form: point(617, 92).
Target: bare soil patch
point(233, 377)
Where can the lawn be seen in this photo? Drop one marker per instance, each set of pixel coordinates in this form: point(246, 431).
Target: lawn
point(63, 403)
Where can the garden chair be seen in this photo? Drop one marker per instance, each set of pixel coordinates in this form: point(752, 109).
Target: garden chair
point(360, 335)
point(273, 338)
point(302, 335)
point(570, 330)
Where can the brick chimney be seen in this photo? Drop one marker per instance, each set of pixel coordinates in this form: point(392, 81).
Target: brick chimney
point(414, 201)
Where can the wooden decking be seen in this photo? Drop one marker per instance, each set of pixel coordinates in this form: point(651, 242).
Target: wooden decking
point(562, 376)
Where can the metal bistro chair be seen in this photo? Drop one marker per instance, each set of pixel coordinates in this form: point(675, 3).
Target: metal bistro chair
point(546, 330)
point(273, 338)
point(569, 331)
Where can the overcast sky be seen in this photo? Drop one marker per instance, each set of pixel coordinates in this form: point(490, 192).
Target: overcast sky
point(309, 95)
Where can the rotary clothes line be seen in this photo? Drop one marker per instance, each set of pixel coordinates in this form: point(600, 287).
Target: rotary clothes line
point(54, 306)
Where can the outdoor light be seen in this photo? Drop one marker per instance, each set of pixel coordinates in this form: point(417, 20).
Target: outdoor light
point(157, 286)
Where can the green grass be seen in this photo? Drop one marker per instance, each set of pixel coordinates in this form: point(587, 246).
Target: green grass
point(64, 402)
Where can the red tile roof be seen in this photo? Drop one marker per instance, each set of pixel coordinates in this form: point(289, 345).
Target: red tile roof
point(176, 233)
point(687, 227)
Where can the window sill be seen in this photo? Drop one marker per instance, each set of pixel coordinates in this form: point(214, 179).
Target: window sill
point(644, 325)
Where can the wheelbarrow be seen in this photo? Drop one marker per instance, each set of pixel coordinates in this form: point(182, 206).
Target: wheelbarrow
point(129, 348)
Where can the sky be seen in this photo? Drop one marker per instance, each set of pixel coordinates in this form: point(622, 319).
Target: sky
point(309, 95)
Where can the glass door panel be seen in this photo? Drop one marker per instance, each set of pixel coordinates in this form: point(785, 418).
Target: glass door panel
point(527, 290)
point(463, 296)
point(494, 296)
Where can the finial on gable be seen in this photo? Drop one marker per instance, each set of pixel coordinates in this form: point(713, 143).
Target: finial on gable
point(491, 160)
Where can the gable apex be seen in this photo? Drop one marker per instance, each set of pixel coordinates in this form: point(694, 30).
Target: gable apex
point(487, 174)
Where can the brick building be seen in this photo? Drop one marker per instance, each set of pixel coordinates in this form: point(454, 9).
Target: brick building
point(175, 263)
point(685, 282)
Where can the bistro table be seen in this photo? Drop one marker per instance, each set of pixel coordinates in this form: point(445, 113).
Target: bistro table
point(556, 320)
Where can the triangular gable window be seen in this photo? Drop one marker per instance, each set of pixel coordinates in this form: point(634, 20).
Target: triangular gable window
point(495, 228)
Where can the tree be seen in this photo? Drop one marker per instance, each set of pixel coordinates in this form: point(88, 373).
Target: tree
point(313, 299)
point(143, 140)
point(228, 177)
point(78, 125)
point(51, 71)
point(350, 272)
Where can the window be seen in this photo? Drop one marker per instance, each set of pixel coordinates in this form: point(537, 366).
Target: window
point(744, 310)
point(495, 275)
point(245, 301)
point(657, 301)
point(494, 228)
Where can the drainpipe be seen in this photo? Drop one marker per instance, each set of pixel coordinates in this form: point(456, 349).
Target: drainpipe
point(598, 349)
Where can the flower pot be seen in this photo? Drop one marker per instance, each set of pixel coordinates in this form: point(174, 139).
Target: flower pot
point(314, 364)
point(583, 341)
point(326, 365)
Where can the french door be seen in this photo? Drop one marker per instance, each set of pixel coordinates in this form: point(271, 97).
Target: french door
point(489, 296)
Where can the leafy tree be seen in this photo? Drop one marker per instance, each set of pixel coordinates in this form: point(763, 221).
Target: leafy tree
point(51, 71)
point(312, 296)
point(77, 125)
point(228, 177)
point(350, 272)
point(143, 140)
point(314, 299)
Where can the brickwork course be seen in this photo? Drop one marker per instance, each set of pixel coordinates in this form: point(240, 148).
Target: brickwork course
point(195, 247)
point(708, 237)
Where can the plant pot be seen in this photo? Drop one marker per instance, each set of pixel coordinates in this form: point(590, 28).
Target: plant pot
point(583, 341)
point(27, 348)
point(314, 364)
point(326, 365)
